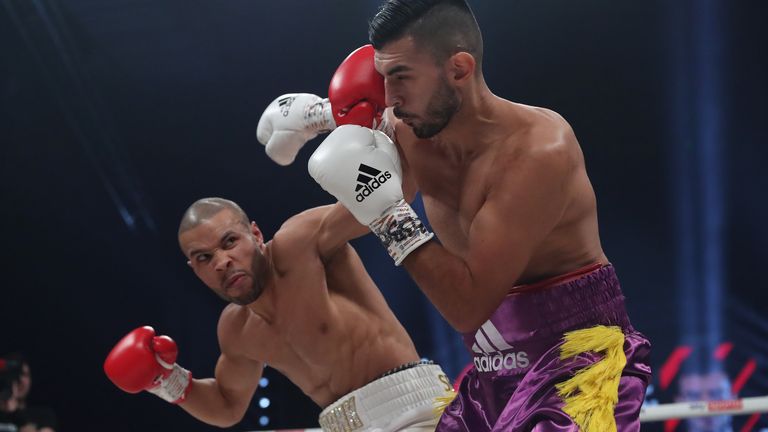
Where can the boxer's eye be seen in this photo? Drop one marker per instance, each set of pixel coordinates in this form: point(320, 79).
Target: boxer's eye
point(201, 258)
point(229, 241)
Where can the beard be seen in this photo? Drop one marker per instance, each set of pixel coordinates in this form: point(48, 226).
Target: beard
point(248, 297)
point(442, 105)
point(255, 289)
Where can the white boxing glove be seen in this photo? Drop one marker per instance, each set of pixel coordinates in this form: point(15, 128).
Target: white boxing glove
point(361, 168)
point(290, 121)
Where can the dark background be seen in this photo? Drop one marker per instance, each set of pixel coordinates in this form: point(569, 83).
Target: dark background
point(115, 115)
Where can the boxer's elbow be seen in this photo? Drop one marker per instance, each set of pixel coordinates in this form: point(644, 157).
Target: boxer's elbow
point(464, 325)
point(467, 324)
point(228, 418)
point(223, 424)
point(470, 315)
point(231, 414)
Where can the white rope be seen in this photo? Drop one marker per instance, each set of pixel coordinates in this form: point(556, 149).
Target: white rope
point(680, 410)
point(683, 410)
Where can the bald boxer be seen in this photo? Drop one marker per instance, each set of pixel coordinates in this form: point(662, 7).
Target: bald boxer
point(519, 269)
point(302, 303)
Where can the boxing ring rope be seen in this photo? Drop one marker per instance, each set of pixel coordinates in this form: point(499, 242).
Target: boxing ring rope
point(704, 409)
point(680, 410)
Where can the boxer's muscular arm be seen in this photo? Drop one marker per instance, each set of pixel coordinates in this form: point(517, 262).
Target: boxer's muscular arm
point(338, 227)
point(223, 400)
point(521, 208)
point(316, 233)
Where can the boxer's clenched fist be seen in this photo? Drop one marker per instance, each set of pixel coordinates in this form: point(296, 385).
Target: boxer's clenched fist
point(143, 361)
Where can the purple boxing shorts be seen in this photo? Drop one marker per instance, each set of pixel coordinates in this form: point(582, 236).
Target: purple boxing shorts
point(556, 356)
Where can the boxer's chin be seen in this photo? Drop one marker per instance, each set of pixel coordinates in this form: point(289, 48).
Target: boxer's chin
point(243, 290)
point(249, 294)
point(442, 106)
point(428, 130)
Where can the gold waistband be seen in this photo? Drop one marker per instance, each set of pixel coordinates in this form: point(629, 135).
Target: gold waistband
point(343, 418)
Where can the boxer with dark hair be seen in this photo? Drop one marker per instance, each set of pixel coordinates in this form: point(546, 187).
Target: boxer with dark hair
point(302, 303)
point(519, 269)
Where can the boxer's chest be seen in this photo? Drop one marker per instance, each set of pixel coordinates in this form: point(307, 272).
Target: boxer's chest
point(301, 329)
point(452, 197)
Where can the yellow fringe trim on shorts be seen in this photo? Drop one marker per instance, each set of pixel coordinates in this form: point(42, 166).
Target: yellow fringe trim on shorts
point(442, 402)
point(591, 395)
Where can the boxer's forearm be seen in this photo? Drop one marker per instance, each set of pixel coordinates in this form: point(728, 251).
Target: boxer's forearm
point(448, 282)
point(342, 224)
point(206, 403)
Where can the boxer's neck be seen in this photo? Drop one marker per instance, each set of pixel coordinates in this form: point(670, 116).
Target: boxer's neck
point(474, 128)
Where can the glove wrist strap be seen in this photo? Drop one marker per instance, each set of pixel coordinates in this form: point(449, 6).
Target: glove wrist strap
point(400, 230)
point(174, 387)
point(318, 116)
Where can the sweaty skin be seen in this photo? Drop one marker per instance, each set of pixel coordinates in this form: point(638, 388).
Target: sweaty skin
point(504, 186)
point(320, 320)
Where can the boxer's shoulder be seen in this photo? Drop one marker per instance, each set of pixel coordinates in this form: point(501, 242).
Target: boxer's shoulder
point(238, 327)
point(538, 137)
point(551, 133)
point(232, 321)
point(298, 236)
point(304, 225)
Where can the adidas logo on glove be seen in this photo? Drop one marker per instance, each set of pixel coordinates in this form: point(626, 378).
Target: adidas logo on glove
point(369, 179)
point(285, 105)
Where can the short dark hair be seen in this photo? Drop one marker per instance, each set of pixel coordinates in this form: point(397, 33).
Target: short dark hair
point(205, 208)
point(444, 27)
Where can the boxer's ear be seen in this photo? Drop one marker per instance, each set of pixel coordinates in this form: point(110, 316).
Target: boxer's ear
point(461, 67)
point(257, 232)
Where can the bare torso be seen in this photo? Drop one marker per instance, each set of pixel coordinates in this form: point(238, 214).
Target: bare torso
point(454, 189)
point(322, 323)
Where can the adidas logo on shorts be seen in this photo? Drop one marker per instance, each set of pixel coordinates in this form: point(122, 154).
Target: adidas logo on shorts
point(488, 348)
point(368, 180)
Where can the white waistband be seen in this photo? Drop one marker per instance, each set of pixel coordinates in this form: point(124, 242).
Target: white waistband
point(390, 403)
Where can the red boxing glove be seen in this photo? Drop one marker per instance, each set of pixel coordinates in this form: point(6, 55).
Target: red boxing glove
point(143, 361)
point(356, 91)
